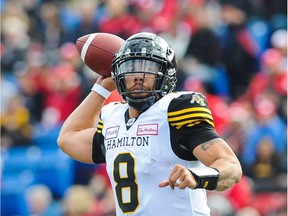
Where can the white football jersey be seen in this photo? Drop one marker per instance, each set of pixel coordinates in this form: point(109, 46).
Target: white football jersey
point(140, 153)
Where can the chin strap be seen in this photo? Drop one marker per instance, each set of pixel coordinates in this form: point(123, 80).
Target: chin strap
point(141, 104)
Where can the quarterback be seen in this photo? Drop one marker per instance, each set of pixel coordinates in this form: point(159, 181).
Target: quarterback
point(160, 147)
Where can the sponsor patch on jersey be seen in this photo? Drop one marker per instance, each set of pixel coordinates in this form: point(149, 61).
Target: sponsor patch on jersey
point(111, 132)
point(147, 129)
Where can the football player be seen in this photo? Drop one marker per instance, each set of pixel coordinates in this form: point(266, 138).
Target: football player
point(160, 147)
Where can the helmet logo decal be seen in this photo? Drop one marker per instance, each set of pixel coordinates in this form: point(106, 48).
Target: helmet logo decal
point(170, 54)
point(127, 52)
point(143, 51)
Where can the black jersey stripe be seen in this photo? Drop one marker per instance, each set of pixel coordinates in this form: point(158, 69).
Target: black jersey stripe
point(100, 121)
point(187, 110)
point(192, 124)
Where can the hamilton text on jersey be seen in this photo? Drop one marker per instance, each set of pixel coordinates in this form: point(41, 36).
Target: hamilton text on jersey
point(127, 141)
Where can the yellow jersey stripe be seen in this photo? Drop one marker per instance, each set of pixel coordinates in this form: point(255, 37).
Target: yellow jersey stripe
point(190, 123)
point(191, 109)
point(194, 115)
point(178, 126)
point(100, 126)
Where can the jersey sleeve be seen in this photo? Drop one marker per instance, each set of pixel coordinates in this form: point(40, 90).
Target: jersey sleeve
point(98, 148)
point(191, 122)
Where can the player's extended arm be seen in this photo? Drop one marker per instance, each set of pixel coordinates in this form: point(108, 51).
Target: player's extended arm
point(77, 132)
point(217, 154)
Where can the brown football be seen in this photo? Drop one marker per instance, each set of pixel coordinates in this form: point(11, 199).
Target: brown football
point(97, 50)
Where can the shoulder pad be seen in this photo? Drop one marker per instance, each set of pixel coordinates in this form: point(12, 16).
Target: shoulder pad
point(189, 110)
point(110, 108)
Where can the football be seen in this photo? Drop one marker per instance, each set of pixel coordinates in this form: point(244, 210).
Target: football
point(97, 50)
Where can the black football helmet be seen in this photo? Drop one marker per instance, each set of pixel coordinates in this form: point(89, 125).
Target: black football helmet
point(145, 53)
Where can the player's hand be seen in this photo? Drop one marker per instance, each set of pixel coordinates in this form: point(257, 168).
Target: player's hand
point(180, 177)
point(107, 83)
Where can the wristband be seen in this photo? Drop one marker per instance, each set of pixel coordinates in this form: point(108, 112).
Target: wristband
point(101, 90)
point(206, 177)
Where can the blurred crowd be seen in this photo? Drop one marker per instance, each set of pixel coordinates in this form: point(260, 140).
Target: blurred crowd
point(233, 51)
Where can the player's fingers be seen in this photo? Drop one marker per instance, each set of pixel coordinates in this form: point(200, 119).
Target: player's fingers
point(178, 182)
point(174, 176)
point(183, 185)
point(164, 183)
point(187, 181)
point(176, 173)
point(106, 82)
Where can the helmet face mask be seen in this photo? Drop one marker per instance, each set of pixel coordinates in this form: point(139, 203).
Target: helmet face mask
point(150, 56)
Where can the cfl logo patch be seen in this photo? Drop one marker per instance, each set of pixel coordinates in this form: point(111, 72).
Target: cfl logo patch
point(198, 99)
